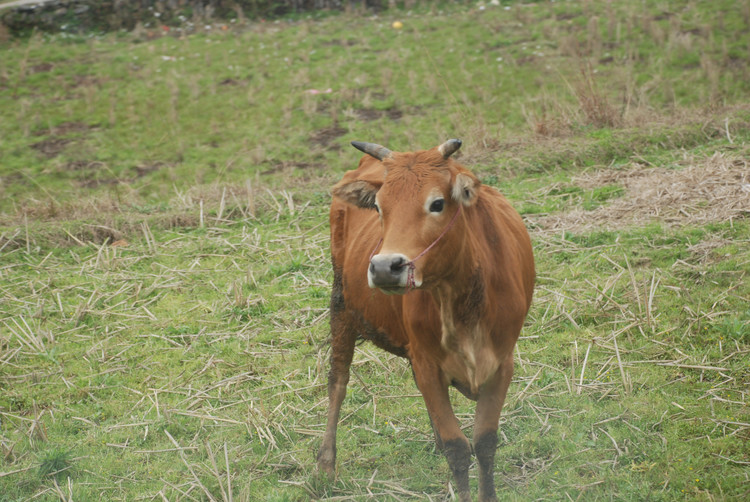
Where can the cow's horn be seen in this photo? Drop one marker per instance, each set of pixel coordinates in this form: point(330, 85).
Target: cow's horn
point(377, 151)
point(449, 147)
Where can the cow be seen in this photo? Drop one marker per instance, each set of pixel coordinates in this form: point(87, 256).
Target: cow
point(434, 266)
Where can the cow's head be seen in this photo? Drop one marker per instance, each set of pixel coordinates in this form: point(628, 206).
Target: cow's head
point(419, 197)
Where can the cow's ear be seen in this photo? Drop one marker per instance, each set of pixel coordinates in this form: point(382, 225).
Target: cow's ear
point(465, 188)
point(359, 186)
point(361, 193)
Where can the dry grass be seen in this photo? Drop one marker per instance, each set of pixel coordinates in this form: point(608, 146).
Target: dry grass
point(696, 191)
point(594, 104)
point(239, 402)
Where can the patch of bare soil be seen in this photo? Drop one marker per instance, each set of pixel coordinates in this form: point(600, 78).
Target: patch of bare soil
point(243, 82)
point(65, 128)
point(57, 142)
point(368, 114)
point(142, 170)
point(81, 165)
point(98, 182)
point(349, 42)
point(94, 173)
point(325, 137)
point(711, 189)
point(51, 147)
point(43, 67)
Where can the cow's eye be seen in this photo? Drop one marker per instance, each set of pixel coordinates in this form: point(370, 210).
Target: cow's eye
point(377, 208)
point(437, 205)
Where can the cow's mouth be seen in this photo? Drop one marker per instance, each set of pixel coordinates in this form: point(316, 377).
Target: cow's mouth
point(392, 290)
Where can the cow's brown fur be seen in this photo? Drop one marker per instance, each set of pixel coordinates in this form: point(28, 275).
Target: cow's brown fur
point(461, 324)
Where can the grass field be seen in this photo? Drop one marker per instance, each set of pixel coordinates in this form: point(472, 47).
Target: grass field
point(164, 265)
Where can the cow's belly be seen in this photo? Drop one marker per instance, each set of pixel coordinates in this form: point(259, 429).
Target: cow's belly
point(470, 360)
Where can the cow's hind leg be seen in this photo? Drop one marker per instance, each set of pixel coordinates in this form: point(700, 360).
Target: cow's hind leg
point(343, 338)
point(490, 403)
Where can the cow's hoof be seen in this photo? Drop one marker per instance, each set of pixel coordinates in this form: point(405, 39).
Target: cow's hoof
point(464, 497)
point(327, 465)
point(327, 469)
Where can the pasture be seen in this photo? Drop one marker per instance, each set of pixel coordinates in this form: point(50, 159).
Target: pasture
point(165, 273)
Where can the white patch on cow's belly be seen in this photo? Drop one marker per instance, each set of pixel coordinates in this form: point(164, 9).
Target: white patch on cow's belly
point(469, 356)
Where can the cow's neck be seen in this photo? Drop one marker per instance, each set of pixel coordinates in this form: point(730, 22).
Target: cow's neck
point(463, 339)
point(461, 298)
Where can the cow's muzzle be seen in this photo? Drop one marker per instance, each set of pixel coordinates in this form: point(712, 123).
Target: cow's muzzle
point(389, 273)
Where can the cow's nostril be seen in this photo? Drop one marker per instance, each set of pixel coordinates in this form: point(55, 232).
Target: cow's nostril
point(397, 264)
point(372, 267)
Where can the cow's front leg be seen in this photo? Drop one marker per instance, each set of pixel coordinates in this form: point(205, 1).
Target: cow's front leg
point(456, 448)
point(338, 378)
point(490, 403)
point(438, 441)
point(343, 339)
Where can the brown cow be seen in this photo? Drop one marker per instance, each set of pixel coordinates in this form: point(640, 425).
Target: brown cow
point(431, 265)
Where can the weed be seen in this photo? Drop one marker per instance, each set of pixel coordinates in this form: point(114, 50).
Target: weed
point(55, 463)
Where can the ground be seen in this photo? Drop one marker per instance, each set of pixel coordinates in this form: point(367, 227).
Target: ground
point(164, 264)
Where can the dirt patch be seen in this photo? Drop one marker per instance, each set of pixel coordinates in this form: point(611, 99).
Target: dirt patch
point(369, 114)
point(325, 137)
point(81, 165)
point(148, 168)
point(712, 189)
point(85, 81)
point(96, 178)
point(51, 147)
point(524, 60)
point(41, 68)
point(663, 16)
point(394, 113)
point(235, 82)
point(11, 178)
point(97, 182)
point(66, 128)
point(349, 42)
point(99, 234)
point(178, 221)
point(57, 142)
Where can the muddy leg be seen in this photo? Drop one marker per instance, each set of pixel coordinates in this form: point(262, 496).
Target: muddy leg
point(490, 403)
point(342, 352)
point(456, 447)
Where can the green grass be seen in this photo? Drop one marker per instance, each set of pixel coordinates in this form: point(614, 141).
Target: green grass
point(164, 264)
